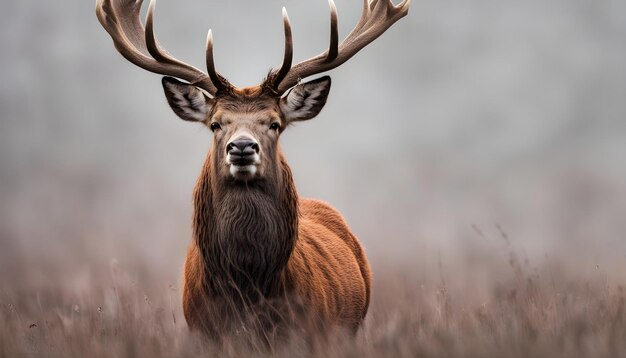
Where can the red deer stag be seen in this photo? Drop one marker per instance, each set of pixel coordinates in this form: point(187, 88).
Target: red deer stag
point(254, 239)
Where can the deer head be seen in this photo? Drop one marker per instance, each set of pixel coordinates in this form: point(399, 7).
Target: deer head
point(246, 122)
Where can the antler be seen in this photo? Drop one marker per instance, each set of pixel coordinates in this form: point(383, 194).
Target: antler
point(377, 17)
point(139, 45)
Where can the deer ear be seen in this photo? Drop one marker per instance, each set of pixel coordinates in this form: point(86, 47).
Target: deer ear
point(305, 100)
point(187, 101)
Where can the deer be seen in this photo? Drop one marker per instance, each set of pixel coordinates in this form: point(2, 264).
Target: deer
point(254, 239)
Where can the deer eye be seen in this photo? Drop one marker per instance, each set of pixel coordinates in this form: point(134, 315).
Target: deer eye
point(275, 126)
point(215, 126)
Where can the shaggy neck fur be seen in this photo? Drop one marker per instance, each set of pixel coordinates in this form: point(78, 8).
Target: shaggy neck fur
point(246, 232)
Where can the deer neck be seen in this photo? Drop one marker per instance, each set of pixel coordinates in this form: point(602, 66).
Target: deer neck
point(245, 233)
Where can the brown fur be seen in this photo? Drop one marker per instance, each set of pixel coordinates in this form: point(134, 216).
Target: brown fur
point(258, 247)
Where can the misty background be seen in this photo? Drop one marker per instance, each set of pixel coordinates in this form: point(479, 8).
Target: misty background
point(465, 119)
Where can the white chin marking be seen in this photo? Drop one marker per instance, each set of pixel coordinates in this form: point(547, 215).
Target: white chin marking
point(248, 170)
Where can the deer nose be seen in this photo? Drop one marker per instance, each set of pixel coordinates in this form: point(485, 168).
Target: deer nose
point(242, 147)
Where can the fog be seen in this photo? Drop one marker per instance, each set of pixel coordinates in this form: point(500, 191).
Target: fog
point(464, 119)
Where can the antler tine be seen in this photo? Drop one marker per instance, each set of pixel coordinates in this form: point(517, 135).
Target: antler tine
point(378, 11)
point(288, 58)
point(217, 80)
point(333, 49)
point(404, 5)
point(364, 15)
point(152, 43)
point(120, 18)
point(377, 17)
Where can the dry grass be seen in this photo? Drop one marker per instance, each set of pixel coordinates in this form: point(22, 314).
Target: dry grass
point(523, 312)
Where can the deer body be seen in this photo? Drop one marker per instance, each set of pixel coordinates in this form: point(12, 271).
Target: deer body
point(256, 241)
point(291, 248)
point(257, 247)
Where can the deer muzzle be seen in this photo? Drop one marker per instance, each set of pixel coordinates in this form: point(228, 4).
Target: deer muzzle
point(242, 154)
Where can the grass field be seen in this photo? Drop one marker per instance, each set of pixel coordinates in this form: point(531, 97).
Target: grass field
point(507, 309)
